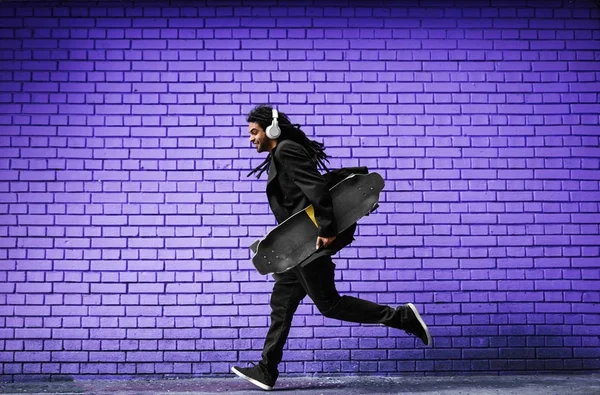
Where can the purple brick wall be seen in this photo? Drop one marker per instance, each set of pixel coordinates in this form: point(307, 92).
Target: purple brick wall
point(126, 213)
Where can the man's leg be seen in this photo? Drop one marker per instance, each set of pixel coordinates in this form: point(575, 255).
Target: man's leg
point(319, 282)
point(287, 294)
point(285, 298)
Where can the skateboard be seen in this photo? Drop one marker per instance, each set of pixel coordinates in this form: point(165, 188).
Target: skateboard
point(293, 240)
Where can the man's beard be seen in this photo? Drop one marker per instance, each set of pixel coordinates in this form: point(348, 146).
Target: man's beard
point(261, 147)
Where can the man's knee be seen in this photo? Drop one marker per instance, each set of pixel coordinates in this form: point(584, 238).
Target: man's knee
point(329, 308)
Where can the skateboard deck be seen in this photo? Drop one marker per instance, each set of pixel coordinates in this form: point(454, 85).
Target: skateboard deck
point(293, 240)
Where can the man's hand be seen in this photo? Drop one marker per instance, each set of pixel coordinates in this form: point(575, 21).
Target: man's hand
point(324, 241)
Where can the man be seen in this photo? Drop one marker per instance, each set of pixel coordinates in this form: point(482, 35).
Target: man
point(293, 184)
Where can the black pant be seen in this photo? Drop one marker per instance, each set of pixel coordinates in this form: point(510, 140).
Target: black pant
point(317, 281)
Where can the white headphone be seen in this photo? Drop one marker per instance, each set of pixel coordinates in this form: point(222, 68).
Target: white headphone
point(273, 130)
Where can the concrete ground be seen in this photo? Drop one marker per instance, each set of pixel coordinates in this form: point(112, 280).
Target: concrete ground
point(480, 385)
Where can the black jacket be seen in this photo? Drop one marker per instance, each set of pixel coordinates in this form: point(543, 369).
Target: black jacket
point(294, 183)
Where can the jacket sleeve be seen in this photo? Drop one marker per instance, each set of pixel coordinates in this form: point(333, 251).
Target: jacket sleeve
point(303, 172)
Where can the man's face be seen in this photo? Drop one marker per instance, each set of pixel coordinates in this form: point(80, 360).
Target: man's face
point(259, 138)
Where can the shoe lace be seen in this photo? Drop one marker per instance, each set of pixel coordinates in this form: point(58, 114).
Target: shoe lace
point(252, 365)
point(258, 366)
point(261, 368)
point(404, 315)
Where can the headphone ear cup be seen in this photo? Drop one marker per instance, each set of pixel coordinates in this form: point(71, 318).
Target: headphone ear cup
point(273, 132)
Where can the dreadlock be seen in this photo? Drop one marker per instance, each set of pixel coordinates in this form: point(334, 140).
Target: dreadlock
point(263, 115)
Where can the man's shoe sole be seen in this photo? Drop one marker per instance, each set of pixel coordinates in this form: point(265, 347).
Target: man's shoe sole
point(416, 313)
point(250, 379)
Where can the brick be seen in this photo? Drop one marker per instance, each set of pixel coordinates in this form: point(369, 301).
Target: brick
point(70, 356)
point(32, 333)
point(144, 356)
point(30, 356)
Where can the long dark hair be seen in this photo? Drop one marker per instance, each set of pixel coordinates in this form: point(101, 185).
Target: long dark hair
point(263, 115)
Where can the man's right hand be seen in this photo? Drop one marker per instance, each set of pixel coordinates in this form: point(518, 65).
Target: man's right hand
point(324, 241)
